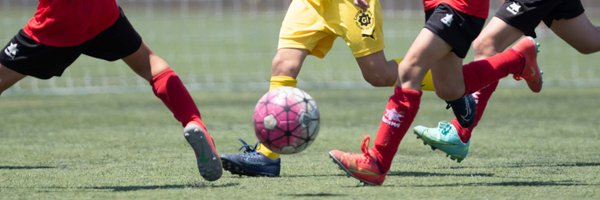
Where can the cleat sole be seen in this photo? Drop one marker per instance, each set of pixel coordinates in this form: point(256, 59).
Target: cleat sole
point(237, 170)
point(425, 142)
point(209, 163)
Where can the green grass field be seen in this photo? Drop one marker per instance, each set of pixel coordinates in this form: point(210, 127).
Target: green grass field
point(126, 145)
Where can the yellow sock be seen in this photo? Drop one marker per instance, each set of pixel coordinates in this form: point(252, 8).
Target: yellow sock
point(281, 81)
point(276, 82)
point(427, 83)
point(267, 152)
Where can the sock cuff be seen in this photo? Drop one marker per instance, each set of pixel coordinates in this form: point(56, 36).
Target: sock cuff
point(162, 74)
point(267, 152)
point(281, 81)
point(407, 91)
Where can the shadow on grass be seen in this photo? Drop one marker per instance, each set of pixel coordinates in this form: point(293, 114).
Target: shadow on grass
point(25, 167)
point(320, 194)
point(425, 174)
point(519, 165)
point(395, 173)
point(159, 187)
point(340, 174)
point(510, 184)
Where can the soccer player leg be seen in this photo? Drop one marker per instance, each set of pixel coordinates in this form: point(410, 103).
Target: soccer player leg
point(167, 86)
point(372, 165)
point(569, 21)
point(481, 78)
point(8, 77)
point(520, 60)
point(23, 56)
point(276, 82)
point(363, 33)
point(447, 72)
point(378, 71)
point(578, 32)
point(493, 39)
point(296, 41)
point(260, 160)
point(447, 76)
point(427, 83)
point(453, 31)
point(285, 68)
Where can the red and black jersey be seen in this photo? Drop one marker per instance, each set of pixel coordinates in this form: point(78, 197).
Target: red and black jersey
point(64, 23)
point(477, 8)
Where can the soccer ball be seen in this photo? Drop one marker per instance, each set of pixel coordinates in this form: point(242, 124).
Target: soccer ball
point(286, 120)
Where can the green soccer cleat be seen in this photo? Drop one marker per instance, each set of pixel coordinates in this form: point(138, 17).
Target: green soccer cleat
point(445, 138)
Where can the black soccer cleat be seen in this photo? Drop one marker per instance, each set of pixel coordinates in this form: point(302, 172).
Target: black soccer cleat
point(465, 110)
point(251, 163)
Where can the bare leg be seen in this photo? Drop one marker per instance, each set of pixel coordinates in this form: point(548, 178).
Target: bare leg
point(579, 32)
point(378, 71)
point(288, 62)
point(8, 78)
point(167, 86)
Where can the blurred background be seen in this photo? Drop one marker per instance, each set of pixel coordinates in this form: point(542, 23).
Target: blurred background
point(229, 44)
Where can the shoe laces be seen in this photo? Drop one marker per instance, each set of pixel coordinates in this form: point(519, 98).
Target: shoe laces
point(247, 148)
point(444, 127)
point(364, 145)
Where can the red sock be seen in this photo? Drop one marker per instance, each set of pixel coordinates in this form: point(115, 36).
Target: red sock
point(399, 113)
point(168, 87)
point(481, 73)
point(481, 98)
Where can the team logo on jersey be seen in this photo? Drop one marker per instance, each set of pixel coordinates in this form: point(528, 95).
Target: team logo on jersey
point(514, 8)
point(364, 20)
point(447, 20)
point(392, 117)
point(11, 50)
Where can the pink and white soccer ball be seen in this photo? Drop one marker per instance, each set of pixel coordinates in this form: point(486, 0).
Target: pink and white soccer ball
point(286, 120)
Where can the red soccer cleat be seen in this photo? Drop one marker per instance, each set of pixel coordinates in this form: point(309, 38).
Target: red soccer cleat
point(528, 48)
point(363, 167)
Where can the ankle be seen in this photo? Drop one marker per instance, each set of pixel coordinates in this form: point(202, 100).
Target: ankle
point(463, 133)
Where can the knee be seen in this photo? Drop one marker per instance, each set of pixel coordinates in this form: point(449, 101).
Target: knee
point(483, 47)
point(407, 76)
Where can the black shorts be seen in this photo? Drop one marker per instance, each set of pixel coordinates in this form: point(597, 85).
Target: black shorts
point(456, 28)
point(525, 15)
point(26, 56)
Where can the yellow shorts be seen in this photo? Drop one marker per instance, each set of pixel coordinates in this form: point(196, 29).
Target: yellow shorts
point(315, 24)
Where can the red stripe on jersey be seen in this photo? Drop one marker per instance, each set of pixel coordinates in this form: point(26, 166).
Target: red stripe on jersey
point(64, 23)
point(477, 8)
